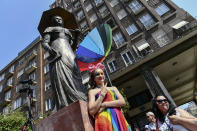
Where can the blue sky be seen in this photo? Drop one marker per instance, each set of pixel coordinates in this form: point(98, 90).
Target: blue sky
point(20, 18)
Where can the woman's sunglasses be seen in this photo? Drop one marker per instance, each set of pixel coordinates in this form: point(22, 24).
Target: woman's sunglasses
point(160, 101)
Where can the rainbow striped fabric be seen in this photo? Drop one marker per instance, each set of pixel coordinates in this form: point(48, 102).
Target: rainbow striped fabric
point(111, 119)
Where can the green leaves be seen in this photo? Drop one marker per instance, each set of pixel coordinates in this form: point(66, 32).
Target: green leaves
point(13, 121)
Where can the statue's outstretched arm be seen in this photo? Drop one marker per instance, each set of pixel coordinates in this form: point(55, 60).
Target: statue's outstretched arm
point(45, 44)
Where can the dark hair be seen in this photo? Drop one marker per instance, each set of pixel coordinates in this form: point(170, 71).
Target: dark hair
point(91, 81)
point(158, 114)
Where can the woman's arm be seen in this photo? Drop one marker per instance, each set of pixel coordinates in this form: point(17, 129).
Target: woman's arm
point(94, 105)
point(185, 119)
point(116, 103)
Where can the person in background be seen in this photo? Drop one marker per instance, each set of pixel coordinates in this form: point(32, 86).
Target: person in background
point(151, 118)
point(169, 118)
point(105, 102)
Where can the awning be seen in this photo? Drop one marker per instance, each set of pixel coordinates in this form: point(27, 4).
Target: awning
point(143, 46)
point(180, 24)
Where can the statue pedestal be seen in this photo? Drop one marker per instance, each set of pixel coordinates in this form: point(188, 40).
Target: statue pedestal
point(74, 117)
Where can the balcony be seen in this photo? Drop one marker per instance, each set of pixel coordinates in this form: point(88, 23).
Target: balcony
point(32, 55)
point(184, 27)
point(105, 14)
point(5, 102)
point(139, 10)
point(77, 8)
point(80, 18)
point(126, 1)
point(9, 74)
point(7, 87)
point(99, 4)
point(30, 68)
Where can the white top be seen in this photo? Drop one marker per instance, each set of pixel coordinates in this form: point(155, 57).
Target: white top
point(151, 126)
point(167, 125)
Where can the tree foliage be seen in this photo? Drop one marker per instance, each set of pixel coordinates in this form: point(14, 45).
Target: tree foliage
point(127, 106)
point(13, 121)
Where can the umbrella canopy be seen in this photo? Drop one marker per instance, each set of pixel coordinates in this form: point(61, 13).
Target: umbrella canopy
point(68, 18)
point(95, 46)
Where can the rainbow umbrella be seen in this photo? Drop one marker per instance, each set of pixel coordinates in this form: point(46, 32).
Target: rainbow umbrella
point(95, 46)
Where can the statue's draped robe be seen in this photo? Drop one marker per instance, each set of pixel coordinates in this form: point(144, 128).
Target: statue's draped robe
point(64, 72)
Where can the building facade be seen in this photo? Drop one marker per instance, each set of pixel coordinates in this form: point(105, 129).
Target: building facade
point(153, 52)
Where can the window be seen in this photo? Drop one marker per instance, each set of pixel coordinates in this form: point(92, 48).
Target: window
point(32, 76)
point(93, 18)
point(112, 65)
point(34, 51)
point(18, 87)
point(135, 6)
point(143, 47)
point(83, 24)
point(47, 85)
point(77, 5)
point(20, 73)
point(1, 88)
point(10, 81)
point(98, 1)
point(34, 92)
point(46, 68)
point(8, 95)
point(2, 77)
point(11, 69)
point(131, 29)
point(21, 61)
point(5, 110)
point(46, 55)
point(103, 11)
point(80, 15)
point(113, 3)
point(147, 20)
point(89, 7)
point(111, 22)
point(31, 64)
point(17, 103)
point(85, 78)
point(121, 14)
point(161, 37)
point(127, 57)
point(48, 104)
point(162, 9)
point(118, 39)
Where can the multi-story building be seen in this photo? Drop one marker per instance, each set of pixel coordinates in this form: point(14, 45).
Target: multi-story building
point(153, 51)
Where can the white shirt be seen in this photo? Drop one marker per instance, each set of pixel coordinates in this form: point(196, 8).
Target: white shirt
point(151, 126)
point(167, 125)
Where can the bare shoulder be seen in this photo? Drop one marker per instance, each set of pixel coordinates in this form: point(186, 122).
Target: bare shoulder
point(92, 91)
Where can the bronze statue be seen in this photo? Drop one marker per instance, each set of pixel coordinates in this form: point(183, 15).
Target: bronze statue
point(64, 72)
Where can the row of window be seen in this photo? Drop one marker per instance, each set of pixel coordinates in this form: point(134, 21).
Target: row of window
point(127, 58)
point(141, 48)
point(135, 6)
point(18, 102)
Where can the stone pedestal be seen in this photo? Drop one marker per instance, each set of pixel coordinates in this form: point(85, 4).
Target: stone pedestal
point(74, 117)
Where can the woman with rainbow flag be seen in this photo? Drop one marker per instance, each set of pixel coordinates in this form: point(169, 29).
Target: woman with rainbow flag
point(105, 102)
